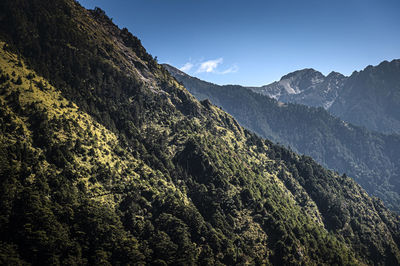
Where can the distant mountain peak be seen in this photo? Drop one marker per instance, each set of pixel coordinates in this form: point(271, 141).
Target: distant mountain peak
point(335, 74)
point(306, 86)
point(303, 73)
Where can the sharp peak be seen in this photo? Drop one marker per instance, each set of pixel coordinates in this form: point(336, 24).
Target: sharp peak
point(334, 73)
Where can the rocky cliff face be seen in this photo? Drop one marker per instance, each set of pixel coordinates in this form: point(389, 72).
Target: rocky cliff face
point(307, 86)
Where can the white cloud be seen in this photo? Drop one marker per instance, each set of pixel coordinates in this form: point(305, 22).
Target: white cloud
point(232, 69)
point(209, 66)
point(186, 67)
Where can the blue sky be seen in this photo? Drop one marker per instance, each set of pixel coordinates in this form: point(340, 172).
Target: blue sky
point(255, 42)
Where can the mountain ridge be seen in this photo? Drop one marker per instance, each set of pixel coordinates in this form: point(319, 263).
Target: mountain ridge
point(349, 98)
point(369, 157)
point(371, 98)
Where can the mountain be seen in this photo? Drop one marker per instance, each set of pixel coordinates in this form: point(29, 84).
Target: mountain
point(371, 158)
point(307, 86)
point(371, 98)
point(106, 159)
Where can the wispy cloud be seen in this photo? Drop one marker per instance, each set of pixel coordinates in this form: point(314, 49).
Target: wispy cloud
point(209, 66)
point(186, 67)
point(232, 69)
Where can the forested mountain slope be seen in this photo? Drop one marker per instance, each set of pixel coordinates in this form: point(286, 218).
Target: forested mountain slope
point(106, 159)
point(373, 159)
